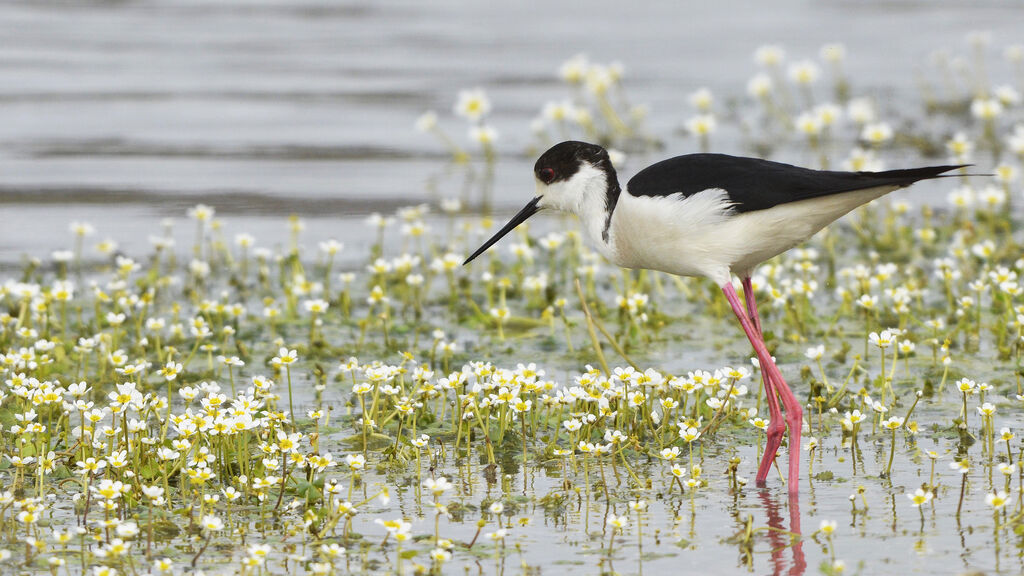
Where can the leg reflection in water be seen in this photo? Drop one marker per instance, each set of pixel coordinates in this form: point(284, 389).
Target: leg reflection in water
point(784, 538)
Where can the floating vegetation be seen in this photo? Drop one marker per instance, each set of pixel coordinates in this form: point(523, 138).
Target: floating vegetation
point(234, 408)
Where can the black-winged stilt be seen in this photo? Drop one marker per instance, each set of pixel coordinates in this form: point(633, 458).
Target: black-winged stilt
point(708, 215)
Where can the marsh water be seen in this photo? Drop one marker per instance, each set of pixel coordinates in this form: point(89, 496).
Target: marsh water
point(122, 113)
point(125, 113)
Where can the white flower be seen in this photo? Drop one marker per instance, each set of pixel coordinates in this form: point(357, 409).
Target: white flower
point(574, 70)
point(1007, 95)
point(689, 434)
point(919, 497)
point(804, 72)
point(997, 500)
point(669, 453)
point(835, 52)
point(808, 123)
point(861, 111)
point(559, 111)
point(331, 247)
point(437, 487)
point(472, 104)
point(760, 85)
point(701, 100)
point(986, 108)
point(883, 340)
point(867, 301)
point(618, 522)
point(769, 55)
point(427, 121)
point(483, 135)
point(893, 423)
point(440, 555)
point(876, 133)
point(82, 229)
point(201, 212)
point(355, 461)
point(316, 306)
point(701, 125)
point(960, 147)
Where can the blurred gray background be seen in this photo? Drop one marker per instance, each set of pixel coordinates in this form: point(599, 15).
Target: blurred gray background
point(122, 113)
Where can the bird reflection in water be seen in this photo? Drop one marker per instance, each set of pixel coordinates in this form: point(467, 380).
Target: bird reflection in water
point(784, 540)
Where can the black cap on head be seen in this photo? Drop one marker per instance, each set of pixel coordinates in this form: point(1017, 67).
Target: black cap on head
point(562, 160)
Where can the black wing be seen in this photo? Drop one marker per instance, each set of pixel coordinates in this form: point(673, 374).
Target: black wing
point(756, 184)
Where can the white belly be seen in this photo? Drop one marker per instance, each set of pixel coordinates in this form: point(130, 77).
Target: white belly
point(701, 236)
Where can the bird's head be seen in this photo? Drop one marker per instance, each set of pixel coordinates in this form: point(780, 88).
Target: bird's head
point(569, 176)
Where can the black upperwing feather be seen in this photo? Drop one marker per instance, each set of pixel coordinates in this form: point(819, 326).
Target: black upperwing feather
point(756, 184)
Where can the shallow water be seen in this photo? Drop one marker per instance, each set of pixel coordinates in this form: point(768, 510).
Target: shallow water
point(703, 530)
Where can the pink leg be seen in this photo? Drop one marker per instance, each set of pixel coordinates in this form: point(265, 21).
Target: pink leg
point(776, 424)
point(794, 412)
point(748, 297)
point(790, 403)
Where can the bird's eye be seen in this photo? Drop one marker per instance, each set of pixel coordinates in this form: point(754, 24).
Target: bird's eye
point(546, 175)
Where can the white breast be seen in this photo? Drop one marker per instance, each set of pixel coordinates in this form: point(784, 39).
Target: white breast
point(701, 236)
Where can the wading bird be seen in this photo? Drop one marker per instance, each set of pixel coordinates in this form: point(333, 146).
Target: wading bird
point(709, 215)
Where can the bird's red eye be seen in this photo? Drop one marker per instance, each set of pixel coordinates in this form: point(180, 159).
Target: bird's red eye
point(546, 175)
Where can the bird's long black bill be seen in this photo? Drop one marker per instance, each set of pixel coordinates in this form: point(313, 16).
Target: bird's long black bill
point(527, 211)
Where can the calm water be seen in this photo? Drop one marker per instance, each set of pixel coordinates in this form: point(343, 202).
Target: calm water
point(123, 113)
